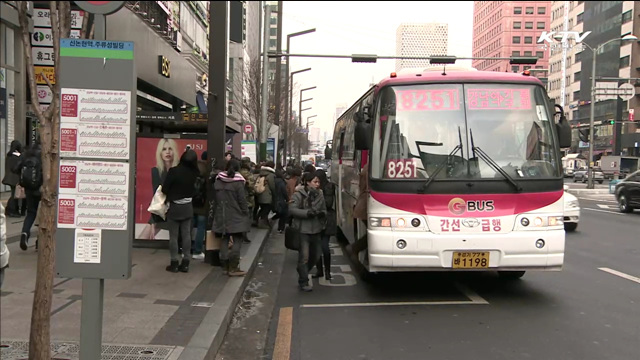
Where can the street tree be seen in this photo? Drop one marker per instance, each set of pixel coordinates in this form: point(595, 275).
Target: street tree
point(251, 88)
point(49, 131)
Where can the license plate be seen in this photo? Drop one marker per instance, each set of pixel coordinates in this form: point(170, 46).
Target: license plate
point(470, 260)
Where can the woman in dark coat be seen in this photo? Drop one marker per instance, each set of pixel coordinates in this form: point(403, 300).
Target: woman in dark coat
point(281, 201)
point(11, 179)
point(330, 229)
point(179, 187)
point(231, 219)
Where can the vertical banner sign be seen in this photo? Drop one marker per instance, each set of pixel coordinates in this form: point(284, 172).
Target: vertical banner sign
point(95, 203)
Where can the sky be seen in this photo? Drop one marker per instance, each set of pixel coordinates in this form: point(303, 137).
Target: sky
point(350, 27)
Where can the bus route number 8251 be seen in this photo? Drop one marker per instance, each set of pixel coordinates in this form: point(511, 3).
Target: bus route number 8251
point(401, 169)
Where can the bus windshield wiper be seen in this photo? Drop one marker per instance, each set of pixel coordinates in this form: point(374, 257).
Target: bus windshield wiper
point(484, 156)
point(442, 165)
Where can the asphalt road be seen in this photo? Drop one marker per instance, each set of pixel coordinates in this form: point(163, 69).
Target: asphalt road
point(588, 311)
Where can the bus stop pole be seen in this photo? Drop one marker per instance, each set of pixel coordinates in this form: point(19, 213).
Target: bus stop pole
point(217, 103)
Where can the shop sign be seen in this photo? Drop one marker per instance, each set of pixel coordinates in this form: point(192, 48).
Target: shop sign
point(194, 117)
point(43, 36)
point(43, 56)
point(164, 66)
point(45, 72)
point(42, 18)
point(44, 94)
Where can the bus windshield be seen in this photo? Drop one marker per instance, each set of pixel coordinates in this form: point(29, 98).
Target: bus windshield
point(421, 127)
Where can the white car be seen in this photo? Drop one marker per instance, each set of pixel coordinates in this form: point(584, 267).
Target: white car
point(571, 212)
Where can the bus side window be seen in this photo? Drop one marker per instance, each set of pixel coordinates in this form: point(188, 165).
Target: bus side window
point(341, 147)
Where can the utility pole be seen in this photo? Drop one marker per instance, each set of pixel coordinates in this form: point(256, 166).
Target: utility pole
point(278, 94)
point(217, 103)
point(265, 84)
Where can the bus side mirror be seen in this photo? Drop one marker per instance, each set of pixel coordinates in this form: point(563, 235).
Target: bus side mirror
point(362, 135)
point(327, 153)
point(563, 129)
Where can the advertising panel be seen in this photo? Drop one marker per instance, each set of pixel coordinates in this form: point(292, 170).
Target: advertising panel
point(155, 156)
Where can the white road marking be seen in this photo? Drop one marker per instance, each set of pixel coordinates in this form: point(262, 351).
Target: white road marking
point(472, 295)
point(604, 211)
point(398, 303)
point(621, 274)
point(605, 206)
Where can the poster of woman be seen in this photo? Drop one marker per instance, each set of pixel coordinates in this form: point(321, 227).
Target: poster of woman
point(155, 156)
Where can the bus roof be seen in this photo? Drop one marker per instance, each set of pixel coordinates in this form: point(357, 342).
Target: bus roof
point(460, 76)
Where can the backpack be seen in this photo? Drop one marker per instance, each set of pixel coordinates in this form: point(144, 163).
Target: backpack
point(31, 174)
point(200, 193)
point(260, 185)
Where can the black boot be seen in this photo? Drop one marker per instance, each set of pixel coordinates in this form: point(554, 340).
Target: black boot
point(327, 267)
point(184, 266)
point(174, 267)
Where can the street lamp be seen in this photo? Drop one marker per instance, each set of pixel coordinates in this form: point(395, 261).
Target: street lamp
point(289, 108)
point(300, 119)
point(593, 100)
point(307, 126)
point(289, 85)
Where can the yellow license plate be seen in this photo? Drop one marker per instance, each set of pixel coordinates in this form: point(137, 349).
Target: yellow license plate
point(470, 260)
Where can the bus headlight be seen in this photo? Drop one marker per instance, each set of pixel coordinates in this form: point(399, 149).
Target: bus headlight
point(380, 222)
point(556, 221)
point(537, 222)
point(401, 222)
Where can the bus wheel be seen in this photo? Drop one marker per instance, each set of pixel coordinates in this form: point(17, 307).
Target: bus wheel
point(511, 275)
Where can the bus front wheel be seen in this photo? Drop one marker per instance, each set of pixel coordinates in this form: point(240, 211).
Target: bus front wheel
point(511, 275)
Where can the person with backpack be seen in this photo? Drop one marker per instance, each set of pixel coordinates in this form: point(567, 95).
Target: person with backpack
point(231, 218)
point(12, 180)
point(29, 168)
point(265, 189)
point(200, 209)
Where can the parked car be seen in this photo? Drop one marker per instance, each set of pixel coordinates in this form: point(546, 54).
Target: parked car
point(628, 193)
point(582, 174)
point(571, 211)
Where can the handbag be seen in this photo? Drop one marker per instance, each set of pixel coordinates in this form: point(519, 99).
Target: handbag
point(292, 238)
point(20, 194)
point(158, 204)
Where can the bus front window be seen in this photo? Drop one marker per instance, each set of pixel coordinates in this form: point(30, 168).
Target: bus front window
point(420, 127)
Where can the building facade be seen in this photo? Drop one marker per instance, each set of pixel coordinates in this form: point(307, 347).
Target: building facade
point(503, 29)
point(427, 39)
point(13, 80)
point(617, 62)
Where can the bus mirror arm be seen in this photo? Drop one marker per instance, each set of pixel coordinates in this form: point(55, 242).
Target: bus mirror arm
point(563, 129)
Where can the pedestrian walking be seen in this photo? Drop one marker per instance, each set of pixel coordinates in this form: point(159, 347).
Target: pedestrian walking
point(29, 168)
point(281, 201)
point(179, 187)
point(330, 228)
point(308, 210)
point(231, 219)
point(12, 179)
point(266, 190)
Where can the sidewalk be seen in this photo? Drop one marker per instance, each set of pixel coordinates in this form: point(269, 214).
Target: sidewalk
point(153, 315)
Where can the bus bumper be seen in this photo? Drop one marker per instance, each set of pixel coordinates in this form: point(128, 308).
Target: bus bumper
point(426, 251)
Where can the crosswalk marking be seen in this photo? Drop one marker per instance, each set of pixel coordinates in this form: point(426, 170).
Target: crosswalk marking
point(621, 274)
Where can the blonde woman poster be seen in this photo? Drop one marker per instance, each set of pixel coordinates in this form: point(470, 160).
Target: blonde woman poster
point(167, 156)
point(154, 159)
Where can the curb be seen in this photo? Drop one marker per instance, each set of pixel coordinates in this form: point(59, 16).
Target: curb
point(207, 339)
point(589, 191)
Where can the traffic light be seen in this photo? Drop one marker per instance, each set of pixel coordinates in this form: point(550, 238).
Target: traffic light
point(612, 122)
point(584, 135)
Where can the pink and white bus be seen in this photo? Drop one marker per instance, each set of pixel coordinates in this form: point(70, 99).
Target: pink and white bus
point(464, 173)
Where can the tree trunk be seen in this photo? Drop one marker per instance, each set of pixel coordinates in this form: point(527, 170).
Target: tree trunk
point(40, 334)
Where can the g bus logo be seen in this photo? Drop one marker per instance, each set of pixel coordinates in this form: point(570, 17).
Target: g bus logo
point(458, 206)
